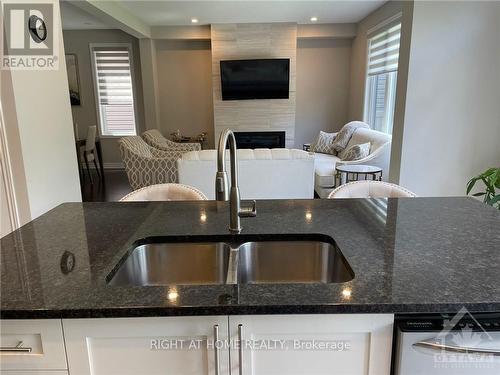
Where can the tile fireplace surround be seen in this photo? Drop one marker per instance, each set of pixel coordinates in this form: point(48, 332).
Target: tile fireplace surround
point(254, 41)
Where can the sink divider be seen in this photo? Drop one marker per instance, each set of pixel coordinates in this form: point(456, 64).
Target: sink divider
point(232, 268)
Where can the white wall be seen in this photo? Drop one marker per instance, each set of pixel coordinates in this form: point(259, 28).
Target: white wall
point(452, 119)
point(38, 119)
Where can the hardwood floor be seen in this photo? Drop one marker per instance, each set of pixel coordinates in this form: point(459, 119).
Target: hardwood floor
point(115, 186)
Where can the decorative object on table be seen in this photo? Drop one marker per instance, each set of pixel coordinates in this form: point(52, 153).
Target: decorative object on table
point(155, 139)
point(178, 137)
point(344, 135)
point(355, 152)
point(370, 189)
point(324, 143)
point(73, 79)
point(146, 165)
point(491, 181)
point(345, 171)
point(202, 137)
point(165, 192)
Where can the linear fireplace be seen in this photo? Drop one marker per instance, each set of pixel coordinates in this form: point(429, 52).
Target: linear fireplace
point(260, 139)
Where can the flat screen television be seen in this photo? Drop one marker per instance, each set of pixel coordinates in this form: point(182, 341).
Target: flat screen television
point(255, 79)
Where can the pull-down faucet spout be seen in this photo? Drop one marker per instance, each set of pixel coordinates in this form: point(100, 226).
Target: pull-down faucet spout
point(222, 191)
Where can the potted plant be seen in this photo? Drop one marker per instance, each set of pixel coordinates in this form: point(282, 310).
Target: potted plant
point(491, 181)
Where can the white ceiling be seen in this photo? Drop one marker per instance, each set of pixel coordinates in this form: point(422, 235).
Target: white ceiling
point(73, 18)
point(159, 13)
point(167, 12)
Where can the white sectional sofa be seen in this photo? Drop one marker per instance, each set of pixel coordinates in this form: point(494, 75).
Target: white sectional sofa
point(380, 154)
point(263, 173)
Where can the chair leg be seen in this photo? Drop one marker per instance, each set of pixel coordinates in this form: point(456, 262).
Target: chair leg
point(97, 169)
point(88, 169)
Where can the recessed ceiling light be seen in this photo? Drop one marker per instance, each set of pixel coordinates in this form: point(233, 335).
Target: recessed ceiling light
point(194, 20)
point(314, 19)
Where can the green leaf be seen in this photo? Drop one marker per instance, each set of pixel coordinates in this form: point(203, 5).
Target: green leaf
point(494, 200)
point(471, 184)
point(478, 194)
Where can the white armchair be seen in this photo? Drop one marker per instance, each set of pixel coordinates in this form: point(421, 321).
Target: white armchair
point(370, 189)
point(155, 139)
point(146, 165)
point(325, 164)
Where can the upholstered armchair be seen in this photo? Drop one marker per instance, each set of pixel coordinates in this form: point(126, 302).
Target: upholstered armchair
point(146, 165)
point(155, 139)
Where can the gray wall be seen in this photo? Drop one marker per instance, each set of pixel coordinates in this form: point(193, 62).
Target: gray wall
point(452, 119)
point(184, 78)
point(77, 42)
point(323, 68)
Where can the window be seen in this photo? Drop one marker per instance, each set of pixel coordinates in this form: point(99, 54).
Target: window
point(380, 91)
point(114, 89)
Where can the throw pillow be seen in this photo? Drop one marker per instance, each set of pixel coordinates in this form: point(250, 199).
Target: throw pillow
point(345, 134)
point(356, 152)
point(324, 143)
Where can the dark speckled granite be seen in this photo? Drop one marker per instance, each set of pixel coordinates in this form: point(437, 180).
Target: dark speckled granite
point(409, 255)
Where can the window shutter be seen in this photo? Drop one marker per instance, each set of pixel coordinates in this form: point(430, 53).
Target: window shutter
point(114, 90)
point(383, 52)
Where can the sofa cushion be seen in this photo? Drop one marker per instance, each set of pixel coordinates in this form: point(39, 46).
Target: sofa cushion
point(263, 173)
point(355, 152)
point(324, 143)
point(377, 139)
point(324, 169)
point(345, 134)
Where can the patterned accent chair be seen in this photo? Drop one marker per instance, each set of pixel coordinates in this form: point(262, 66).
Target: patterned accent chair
point(146, 165)
point(155, 139)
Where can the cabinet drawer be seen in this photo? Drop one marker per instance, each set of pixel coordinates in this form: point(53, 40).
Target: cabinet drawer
point(43, 337)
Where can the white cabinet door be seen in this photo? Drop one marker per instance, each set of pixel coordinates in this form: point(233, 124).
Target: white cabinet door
point(133, 346)
point(312, 344)
point(41, 345)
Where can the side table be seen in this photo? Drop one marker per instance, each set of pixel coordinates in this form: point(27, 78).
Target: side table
point(346, 173)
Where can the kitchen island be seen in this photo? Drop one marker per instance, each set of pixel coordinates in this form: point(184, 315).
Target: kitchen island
point(408, 255)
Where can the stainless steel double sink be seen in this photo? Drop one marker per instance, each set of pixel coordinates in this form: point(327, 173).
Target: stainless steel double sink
point(202, 260)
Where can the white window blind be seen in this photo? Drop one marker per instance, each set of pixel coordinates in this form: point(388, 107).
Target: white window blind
point(114, 89)
point(380, 91)
point(383, 52)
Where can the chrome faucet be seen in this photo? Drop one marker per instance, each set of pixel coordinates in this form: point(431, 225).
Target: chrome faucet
point(222, 192)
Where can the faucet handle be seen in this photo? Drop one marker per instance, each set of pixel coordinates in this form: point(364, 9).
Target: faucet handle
point(248, 211)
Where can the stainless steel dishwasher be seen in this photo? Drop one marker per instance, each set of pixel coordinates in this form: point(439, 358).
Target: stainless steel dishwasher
point(447, 344)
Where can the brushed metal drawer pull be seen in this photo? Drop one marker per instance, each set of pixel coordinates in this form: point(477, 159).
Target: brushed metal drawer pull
point(436, 345)
point(16, 349)
point(217, 358)
point(240, 352)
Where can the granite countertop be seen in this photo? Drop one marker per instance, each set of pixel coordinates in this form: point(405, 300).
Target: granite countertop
point(408, 255)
